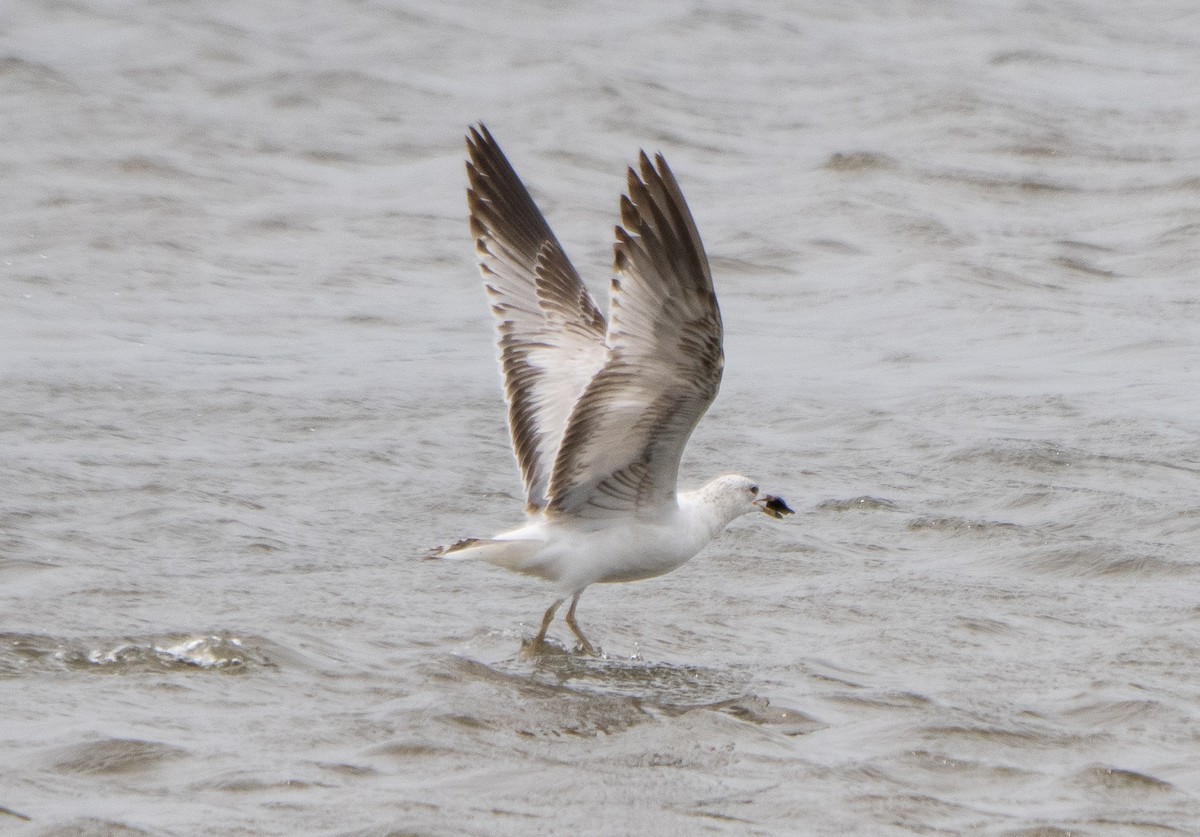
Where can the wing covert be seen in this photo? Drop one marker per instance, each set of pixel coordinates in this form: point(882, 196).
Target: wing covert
point(621, 449)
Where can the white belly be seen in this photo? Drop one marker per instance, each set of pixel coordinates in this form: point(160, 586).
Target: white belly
point(623, 554)
point(573, 553)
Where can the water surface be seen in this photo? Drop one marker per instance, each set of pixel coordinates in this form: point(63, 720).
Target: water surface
point(248, 378)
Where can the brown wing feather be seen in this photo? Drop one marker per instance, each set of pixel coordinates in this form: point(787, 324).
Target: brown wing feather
point(550, 334)
point(621, 449)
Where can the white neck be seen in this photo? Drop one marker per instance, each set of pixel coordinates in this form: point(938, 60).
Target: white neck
point(709, 509)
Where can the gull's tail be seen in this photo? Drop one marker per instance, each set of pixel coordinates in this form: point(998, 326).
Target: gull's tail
point(449, 551)
point(516, 555)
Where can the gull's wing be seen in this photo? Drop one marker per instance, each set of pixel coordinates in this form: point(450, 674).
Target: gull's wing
point(549, 331)
point(620, 453)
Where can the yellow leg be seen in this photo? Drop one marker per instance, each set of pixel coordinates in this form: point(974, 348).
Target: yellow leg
point(584, 645)
point(539, 641)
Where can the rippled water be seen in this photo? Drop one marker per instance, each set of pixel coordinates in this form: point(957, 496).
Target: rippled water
point(248, 378)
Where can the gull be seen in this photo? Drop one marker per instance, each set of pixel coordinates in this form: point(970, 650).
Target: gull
point(600, 410)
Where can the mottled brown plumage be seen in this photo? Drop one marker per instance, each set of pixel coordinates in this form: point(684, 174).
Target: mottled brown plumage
point(549, 331)
point(640, 384)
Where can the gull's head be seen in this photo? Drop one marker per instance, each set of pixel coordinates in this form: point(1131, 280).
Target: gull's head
point(736, 495)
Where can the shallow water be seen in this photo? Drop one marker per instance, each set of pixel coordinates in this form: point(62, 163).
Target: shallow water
point(248, 378)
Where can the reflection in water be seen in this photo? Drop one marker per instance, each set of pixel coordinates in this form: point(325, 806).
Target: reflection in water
point(657, 688)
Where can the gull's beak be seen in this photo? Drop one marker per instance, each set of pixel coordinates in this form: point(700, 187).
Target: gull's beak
point(772, 505)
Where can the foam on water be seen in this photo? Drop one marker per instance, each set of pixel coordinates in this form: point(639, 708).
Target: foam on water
point(202, 652)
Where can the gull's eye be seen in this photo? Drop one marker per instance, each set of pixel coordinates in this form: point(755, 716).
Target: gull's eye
point(754, 489)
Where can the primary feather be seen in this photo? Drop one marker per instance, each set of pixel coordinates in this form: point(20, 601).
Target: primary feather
point(626, 435)
point(550, 333)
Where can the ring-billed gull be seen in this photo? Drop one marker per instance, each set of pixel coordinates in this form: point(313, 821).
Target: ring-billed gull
point(600, 411)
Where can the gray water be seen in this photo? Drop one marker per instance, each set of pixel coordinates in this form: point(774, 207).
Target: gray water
point(248, 377)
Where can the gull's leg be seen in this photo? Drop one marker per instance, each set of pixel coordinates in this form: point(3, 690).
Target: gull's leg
point(584, 645)
point(538, 643)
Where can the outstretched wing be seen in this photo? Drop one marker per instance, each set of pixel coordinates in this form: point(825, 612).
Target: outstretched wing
point(549, 331)
point(620, 453)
